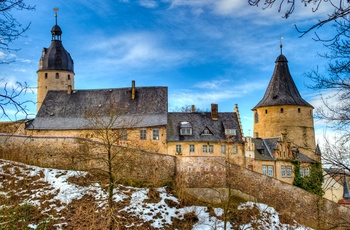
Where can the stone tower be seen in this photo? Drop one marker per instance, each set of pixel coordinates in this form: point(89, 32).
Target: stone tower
point(56, 67)
point(282, 111)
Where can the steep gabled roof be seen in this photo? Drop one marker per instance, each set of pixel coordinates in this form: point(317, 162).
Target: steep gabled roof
point(282, 89)
point(264, 148)
point(63, 111)
point(199, 121)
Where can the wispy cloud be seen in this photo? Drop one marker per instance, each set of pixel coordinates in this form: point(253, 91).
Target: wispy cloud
point(148, 3)
point(212, 92)
point(139, 50)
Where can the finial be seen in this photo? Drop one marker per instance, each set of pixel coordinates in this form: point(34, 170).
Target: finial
point(56, 10)
point(281, 45)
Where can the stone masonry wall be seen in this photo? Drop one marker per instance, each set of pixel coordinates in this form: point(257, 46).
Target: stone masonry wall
point(188, 171)
point(288, 200)
point(201, 171)
point(131, 165)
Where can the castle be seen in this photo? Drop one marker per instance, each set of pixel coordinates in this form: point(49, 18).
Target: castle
point(283, 120)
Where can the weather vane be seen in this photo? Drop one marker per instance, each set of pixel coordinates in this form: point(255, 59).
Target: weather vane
point(56, 10)
point(281, 45)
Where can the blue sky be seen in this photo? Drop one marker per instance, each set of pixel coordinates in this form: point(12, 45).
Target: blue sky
point(205, 51)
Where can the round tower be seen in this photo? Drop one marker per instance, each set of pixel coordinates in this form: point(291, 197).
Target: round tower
point(283, 111)
point(56, 67)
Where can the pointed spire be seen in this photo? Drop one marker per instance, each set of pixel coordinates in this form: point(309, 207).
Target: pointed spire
point(282, 89)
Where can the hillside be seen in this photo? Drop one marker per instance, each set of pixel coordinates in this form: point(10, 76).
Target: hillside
point(41, 198)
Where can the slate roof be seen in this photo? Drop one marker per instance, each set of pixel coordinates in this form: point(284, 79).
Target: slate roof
point(200, 121)
point(265, 147)
point(63, 111)
point(281, 89)
point(56, 57)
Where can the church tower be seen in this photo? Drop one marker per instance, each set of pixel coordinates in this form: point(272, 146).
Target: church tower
point(56, 67)
point(282, 111)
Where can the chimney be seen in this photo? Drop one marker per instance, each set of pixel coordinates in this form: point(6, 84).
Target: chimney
point(193, 109)
point(214, 112)
point(69, 90)
point(133, 91)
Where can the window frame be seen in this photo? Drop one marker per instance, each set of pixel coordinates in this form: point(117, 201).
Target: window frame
point(192, 148)
point(155, 134)
point(223, 148)
point(306, 171)
point(283, 171)
point(264, 170)
point(185, 131)
point(289, 171)
point(205, 149)
point(143, 134)
point(270, 170)
point(123, 135)
point(178, 148)
point(211, 148)
point(230, 132)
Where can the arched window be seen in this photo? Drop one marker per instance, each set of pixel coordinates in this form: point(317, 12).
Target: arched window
point(68, 76)
point(57, 75)
point(45, 75)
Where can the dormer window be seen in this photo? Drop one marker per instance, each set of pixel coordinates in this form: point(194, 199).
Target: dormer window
point(230, 132)
point(185, 128)
point(206, 131)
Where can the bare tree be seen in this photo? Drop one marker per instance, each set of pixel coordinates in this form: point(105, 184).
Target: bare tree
point(11, 103)
point(341, 8)
point(10, 30)
point(110, 123)
point(189, 108)
point(10, 27)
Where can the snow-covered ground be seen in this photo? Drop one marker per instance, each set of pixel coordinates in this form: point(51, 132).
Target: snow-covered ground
point(56, 193)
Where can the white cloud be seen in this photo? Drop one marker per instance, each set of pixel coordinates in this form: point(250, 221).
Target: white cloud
point(215, 91)
point(148, 3)
point(139, 50)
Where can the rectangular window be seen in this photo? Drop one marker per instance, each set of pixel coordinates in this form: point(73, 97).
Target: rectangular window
point(283, 171)
point(230, 132)
point(123, 135)
point(155, 134)
point(289, 171)
point(270, 170)
point(264, 171)
point(205, 149)
point(211, 148)
point(186, 131)
point(191, 148)
point(306, 172)
point(223, 148)
point(178, 148)
point(234, 149)
point(143, 134)
point(301, 172)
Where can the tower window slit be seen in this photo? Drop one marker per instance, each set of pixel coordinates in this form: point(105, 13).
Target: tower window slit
point(57, 75)
point(298, 110)
point(45, 75)
point(281, 110)
point(265, 111)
